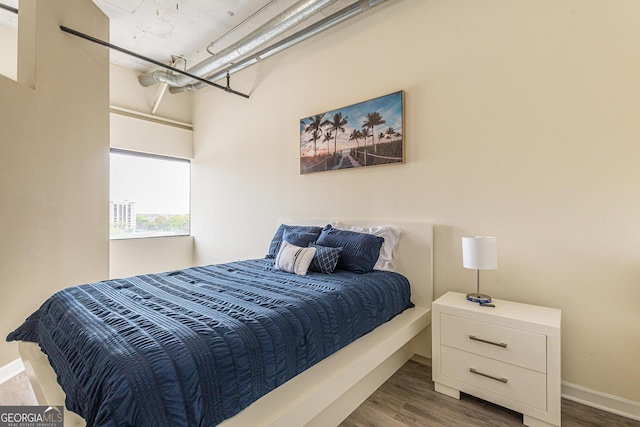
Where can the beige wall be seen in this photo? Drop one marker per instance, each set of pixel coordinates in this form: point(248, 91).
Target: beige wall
point(129, 257)
point(521, 122)
point(54, 154)
point(142, 135)
point(127, 93)
point(154, 135)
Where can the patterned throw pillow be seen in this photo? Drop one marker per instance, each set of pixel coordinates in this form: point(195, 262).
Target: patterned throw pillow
point(294, 259)
point(325, 259)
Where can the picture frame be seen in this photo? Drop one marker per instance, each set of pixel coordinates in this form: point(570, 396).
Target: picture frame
point(368, 133)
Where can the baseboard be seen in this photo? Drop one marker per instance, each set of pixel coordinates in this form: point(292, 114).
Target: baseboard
point(10, 370)
point(606, 402)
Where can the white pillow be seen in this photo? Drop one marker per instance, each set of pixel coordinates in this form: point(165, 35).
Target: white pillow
point(294, 259)
point(391, 236)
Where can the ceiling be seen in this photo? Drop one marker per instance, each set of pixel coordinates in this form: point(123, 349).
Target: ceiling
point(182, 29)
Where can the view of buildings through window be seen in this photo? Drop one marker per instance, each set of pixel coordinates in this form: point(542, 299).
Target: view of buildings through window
point(150, 195)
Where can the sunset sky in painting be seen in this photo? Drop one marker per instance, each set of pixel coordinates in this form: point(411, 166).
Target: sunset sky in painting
point(389, 107)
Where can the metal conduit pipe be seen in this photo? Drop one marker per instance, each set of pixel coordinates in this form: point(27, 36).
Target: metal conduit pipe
point(282, 22)
point(8, 8)
point(222, 37)
point(330, 21)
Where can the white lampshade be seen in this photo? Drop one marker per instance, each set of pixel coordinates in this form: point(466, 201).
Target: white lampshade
point(480, 253)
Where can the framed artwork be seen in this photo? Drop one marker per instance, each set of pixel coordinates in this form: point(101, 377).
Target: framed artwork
point(369, 133)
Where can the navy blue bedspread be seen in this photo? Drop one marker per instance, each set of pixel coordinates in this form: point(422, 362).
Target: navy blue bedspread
point(196, 346)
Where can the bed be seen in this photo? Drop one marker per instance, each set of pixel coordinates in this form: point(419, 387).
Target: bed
point(326, 391)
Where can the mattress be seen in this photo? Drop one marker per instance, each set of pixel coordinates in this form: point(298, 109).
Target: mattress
point(196, 346)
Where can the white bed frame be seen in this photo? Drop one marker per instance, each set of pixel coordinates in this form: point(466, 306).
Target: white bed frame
point(328, 392)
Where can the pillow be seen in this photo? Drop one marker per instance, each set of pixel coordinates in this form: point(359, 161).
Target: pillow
point(274, 247)
point(391, 235)
point(299, 238)
point(325, 259)
point(360, 251)
point(294, 259)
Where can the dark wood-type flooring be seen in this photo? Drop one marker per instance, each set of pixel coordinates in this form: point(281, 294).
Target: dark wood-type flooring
point(408, 399)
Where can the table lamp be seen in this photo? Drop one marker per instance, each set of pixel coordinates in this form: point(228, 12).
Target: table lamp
point(479, 253)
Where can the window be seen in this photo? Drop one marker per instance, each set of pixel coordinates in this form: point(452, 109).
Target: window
point(149, 195)
point(9, 38)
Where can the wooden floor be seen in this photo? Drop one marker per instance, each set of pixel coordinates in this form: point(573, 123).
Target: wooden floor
point(408, 399)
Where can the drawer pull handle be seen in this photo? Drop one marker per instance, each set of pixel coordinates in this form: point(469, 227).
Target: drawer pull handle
point(499, 344)
point(502, 380)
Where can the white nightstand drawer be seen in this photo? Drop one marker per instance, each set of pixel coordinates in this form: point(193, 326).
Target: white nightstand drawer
point(523, 376)
point(509, 345)
point(513, 382)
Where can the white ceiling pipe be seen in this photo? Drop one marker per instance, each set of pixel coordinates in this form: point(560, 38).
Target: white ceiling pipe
point(278, 25)
point(324, 24)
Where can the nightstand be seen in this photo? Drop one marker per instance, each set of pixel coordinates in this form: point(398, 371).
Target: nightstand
point(508, 354)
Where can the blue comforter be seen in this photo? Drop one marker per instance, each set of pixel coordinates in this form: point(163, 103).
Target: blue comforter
point(196, 346)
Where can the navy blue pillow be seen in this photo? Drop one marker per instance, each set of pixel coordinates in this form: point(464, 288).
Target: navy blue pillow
point(299, 238)
point(325, 259)
point(274, 247)
point(360, 251)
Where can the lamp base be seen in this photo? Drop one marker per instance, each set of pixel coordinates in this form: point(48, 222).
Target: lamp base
point(479, 298)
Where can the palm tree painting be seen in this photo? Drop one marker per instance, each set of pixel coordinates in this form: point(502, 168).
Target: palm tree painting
point(357, 135)
point(372, 120)
point(337, 124)
point(390, 133)
point(366, 133)
point(327, 138)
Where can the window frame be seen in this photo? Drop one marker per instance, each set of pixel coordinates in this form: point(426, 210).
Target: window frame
point(150, 156)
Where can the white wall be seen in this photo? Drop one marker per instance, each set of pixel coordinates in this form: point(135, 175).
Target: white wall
point(54, 157)
point(521, 122)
